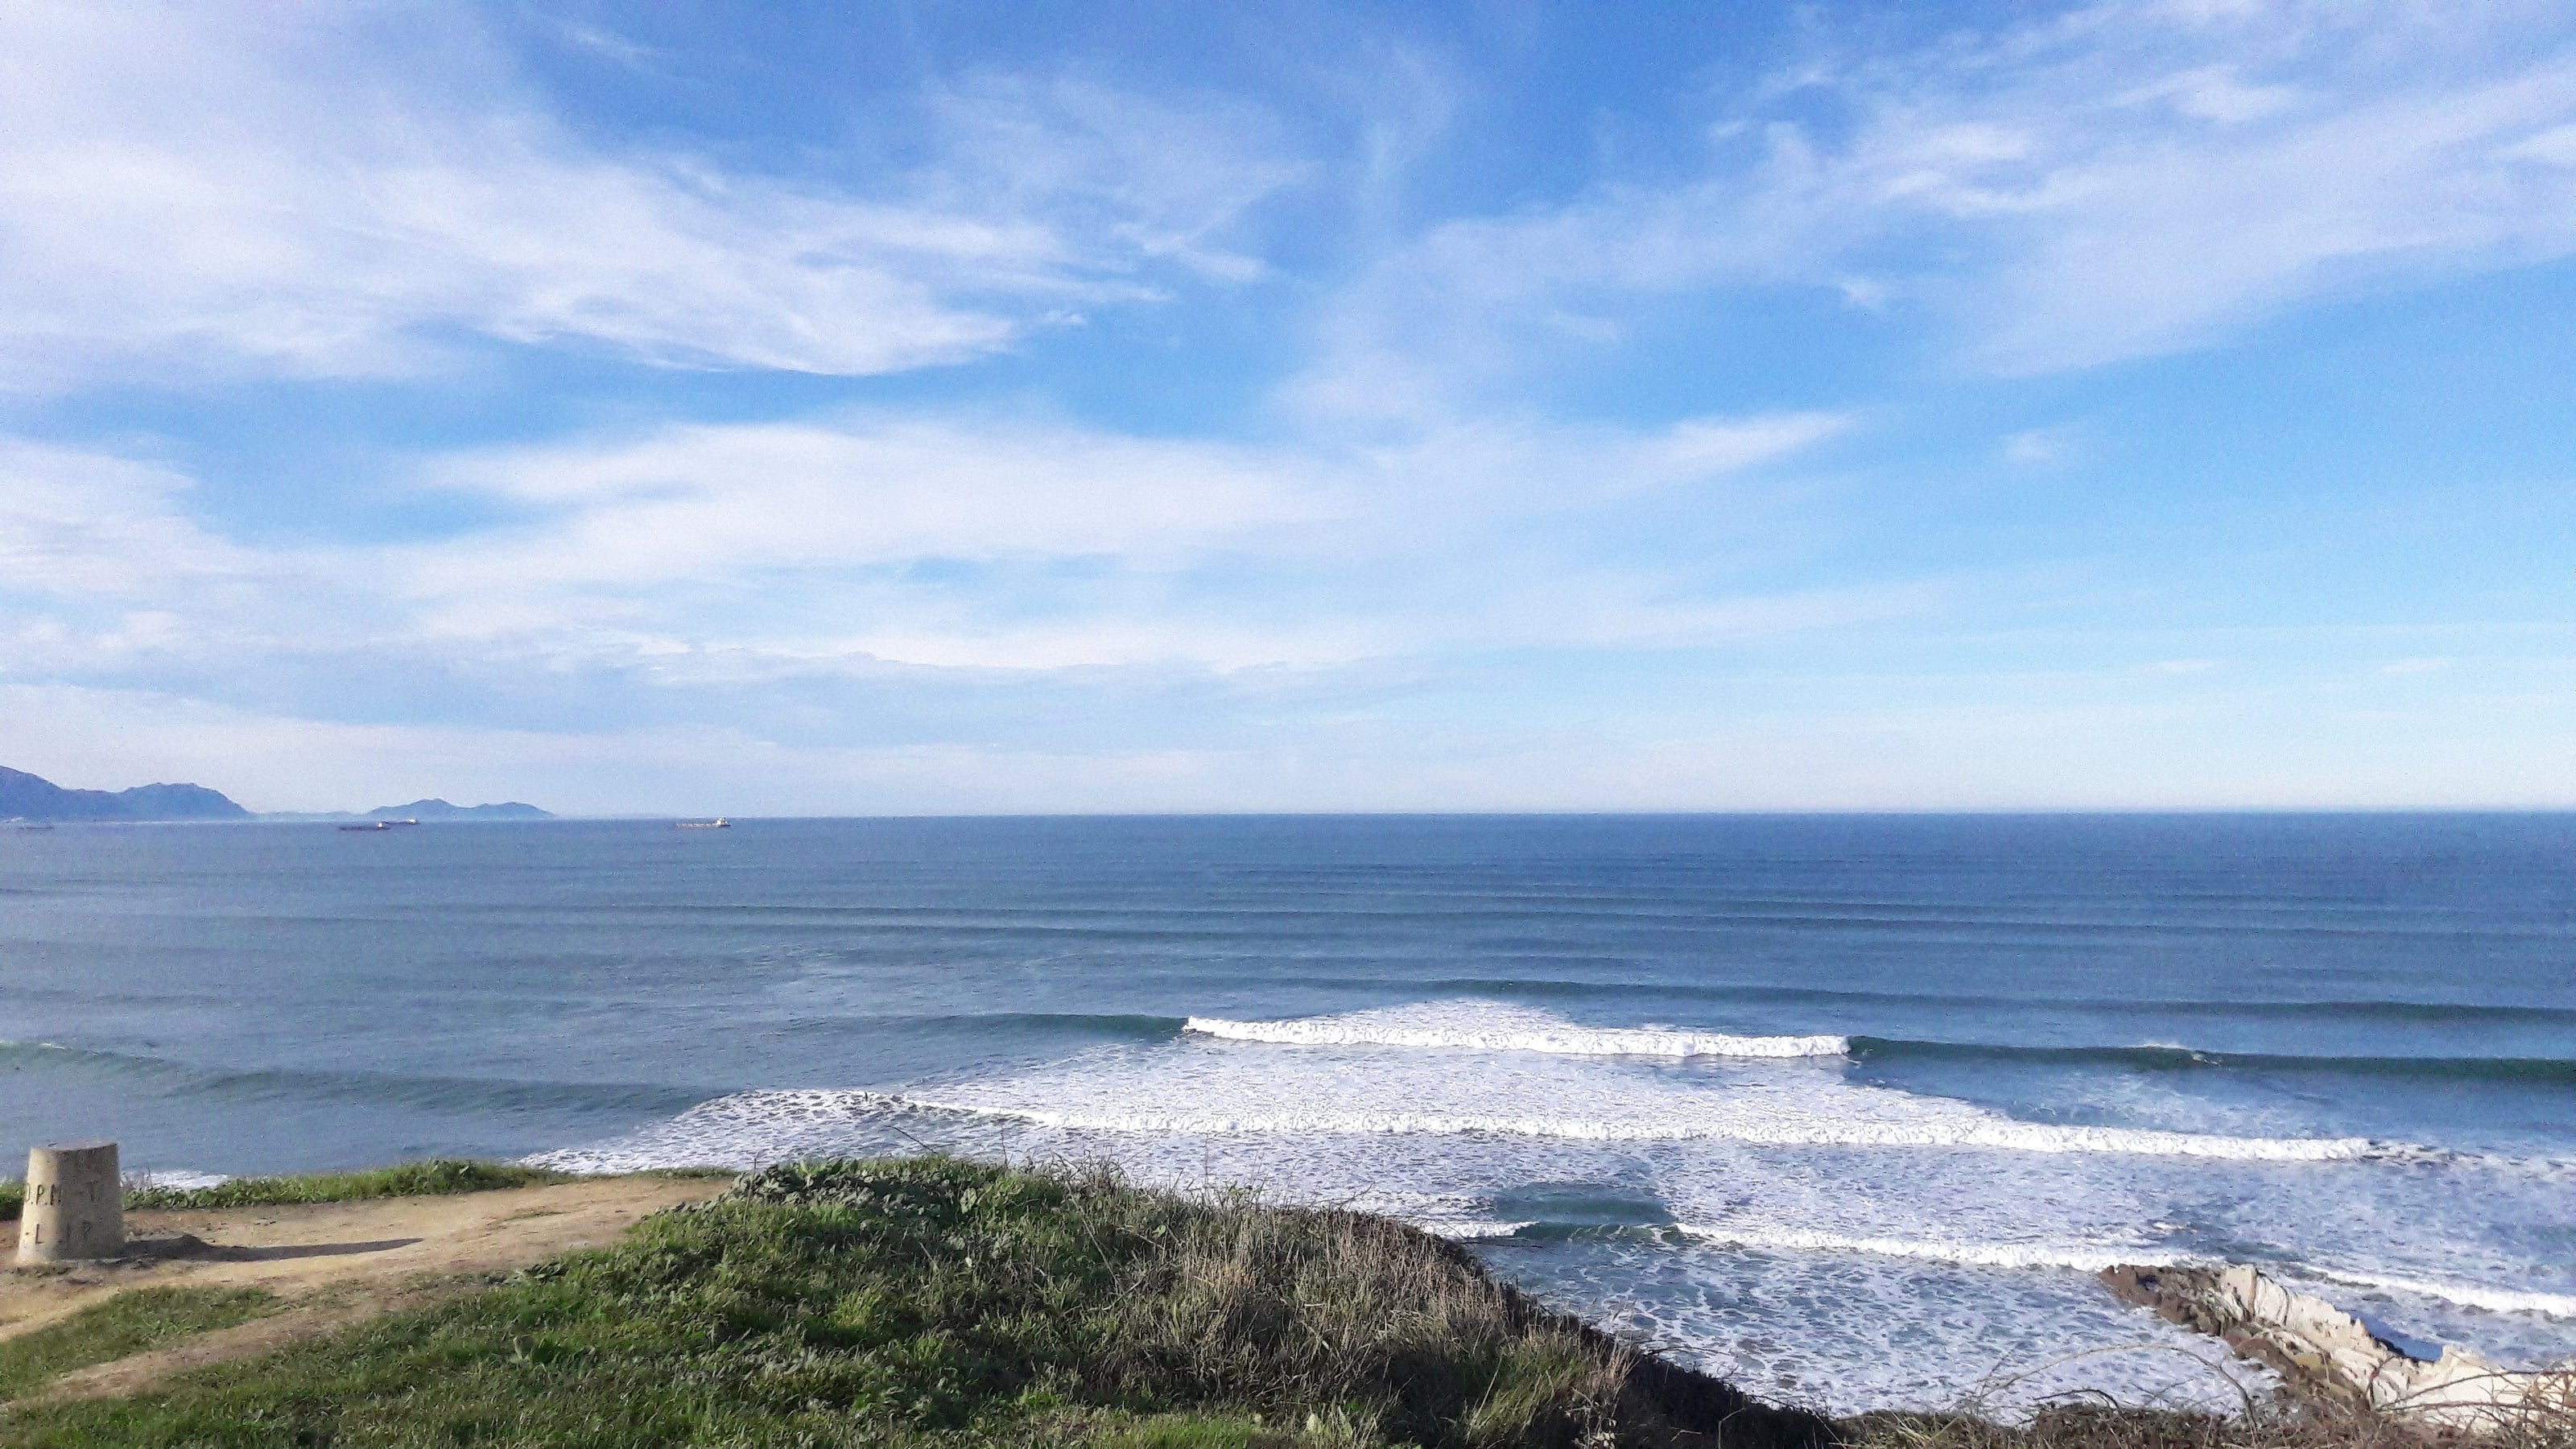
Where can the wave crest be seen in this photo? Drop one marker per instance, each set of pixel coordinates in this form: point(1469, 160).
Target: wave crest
point(1506, 1030)
point(2469, 1295)
point(2086, 1258)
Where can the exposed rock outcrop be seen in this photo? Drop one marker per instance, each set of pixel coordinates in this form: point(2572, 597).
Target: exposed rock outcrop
point(2324, 1353)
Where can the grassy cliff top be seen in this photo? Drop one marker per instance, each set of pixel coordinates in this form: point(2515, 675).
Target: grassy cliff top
point(938, 1302)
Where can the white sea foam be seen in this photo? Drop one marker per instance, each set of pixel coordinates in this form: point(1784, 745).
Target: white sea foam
point(173, 1179)
point(2467, 1295)
point(1472, 1229)
point(753, 1127)
point(1213, 1090)
point(1482, 1026)
point(1783, 1129)
point(1851, 1332)
point(2093, 1258)
point(2085, 1258)
point(1203, 1086)
point(746, 1130)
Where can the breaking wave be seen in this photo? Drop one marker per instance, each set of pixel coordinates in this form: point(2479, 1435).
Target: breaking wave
point(2087, 1258)
point(2468, 1295)
point(1477, 1027)
point(750, 1127)
point(1750, 1127)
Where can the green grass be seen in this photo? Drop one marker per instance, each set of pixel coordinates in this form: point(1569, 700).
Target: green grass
point(428, 1178)
point(128, 1323)
point(938, 1302)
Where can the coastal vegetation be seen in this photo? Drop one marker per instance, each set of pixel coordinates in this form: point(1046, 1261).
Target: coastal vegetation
point(428, 1178)
point(937, 1301)
point(934, 1301)
point(131, 1322)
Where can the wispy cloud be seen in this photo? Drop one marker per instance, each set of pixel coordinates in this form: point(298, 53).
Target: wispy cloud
point(81, 524)
point(2041, 447)
point(1138, 179)
point(696, 504)
point(2117, 181)
point(705, 555)
point(328, 192)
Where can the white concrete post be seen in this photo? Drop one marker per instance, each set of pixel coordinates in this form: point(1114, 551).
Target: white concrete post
point(75, 1203)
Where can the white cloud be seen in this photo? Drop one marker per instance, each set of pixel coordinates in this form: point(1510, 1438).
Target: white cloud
point(2117, 181)
point(1160, 179)
point(327, 191)
point(700, 555)
point(2215, 93)
point(80, 523)
point(703, 503)
point(2557, 146)
point(2039, 447)
point(1699, 447)
point(806, 543)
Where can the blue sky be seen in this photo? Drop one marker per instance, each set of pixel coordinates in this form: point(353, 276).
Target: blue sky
point(903, 408)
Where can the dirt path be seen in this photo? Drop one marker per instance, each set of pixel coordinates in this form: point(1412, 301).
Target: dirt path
point(336, 1263)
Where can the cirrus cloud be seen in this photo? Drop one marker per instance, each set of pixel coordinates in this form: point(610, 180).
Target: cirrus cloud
point(328, 192)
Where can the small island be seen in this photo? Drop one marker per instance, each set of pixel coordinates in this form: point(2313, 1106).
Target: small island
point(441, 810)
point(32, 799)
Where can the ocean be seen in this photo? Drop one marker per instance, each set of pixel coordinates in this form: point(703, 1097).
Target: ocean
point(1848, 1109)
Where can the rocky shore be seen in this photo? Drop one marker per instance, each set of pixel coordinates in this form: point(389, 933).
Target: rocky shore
point(2328, 1355)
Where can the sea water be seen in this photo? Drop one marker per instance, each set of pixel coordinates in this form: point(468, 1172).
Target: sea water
point(1847, 1109)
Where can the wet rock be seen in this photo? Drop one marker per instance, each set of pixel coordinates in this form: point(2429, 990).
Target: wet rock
point(2331, 1356)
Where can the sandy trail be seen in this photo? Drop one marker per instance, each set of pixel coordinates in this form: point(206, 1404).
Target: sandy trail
point(335, 1263)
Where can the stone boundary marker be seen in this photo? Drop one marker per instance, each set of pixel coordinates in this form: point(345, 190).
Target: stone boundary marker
point(75, 1203)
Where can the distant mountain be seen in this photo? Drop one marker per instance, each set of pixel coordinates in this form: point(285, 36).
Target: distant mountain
point(441, 810)
point(28, 797)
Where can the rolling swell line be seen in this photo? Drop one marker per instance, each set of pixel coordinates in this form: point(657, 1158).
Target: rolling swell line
point(2176, 1058)
point(1127, 1026)
point(279, 1083)
point(1647, 1042)
point(2093, 1258)
point(2424, 1012)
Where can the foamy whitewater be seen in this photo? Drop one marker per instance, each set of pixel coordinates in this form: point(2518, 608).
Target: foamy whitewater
point(1850, 1111)
point(1501, 1028)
